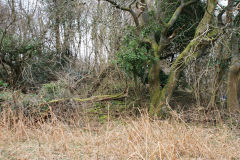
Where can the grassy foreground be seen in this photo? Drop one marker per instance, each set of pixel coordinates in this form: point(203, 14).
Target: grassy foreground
point(139, 138)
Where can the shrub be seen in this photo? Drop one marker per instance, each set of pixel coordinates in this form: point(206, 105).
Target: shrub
point(53, 90)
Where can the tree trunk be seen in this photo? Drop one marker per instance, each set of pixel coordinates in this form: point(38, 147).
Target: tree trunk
point(190, 52)
point(66, 39)
point(234, 77)
point(57, 29)
point(154, 83)
point(233, 88)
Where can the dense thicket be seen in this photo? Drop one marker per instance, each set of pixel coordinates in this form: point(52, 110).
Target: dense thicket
point(162, 46)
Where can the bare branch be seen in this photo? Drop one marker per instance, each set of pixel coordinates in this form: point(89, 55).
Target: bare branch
point(130, 5)
point(129, 9)
point(237, 7)
point(219, 17)
point(164, 39)
point(178, 12)
point(118, 6)
point(221, 6)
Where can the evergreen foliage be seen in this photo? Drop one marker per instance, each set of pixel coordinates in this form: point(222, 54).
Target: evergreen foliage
point(134, 57)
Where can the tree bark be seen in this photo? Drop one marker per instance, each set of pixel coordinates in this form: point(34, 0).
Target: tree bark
point(57, 29)
point(190, 52)
point(234, 77)
point(233, 88)
point(155, 89)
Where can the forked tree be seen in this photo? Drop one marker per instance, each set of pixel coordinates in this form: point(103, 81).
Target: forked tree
point(145, 13)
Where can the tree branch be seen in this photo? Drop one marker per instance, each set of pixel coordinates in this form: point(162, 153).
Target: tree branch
point(91, 99)
point(130, 5)
point(118, 6)
point(178, 12)
point(129, 9)
point(219, 18)
point(164, 39)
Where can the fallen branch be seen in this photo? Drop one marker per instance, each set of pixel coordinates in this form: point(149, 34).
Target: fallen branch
point(90, 99)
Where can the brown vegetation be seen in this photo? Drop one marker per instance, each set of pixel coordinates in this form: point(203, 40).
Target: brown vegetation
point(138, 138)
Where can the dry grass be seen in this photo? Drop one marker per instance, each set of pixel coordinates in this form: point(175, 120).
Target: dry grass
point(141, 138)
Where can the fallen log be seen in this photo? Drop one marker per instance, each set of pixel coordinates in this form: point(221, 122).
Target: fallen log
point(90, 99)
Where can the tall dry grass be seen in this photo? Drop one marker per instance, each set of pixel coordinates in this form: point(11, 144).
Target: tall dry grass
point(139, 138)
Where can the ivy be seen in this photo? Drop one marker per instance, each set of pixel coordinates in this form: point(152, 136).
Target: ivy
point(135, 57)
point(3, 84)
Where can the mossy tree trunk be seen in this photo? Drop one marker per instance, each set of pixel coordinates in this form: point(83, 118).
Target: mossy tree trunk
point(154, 82)
point(156, 98)
point(159, 96)
point(193, 50)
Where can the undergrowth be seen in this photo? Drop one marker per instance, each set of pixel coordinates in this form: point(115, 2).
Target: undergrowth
point(31, 128)
point(122, 138)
